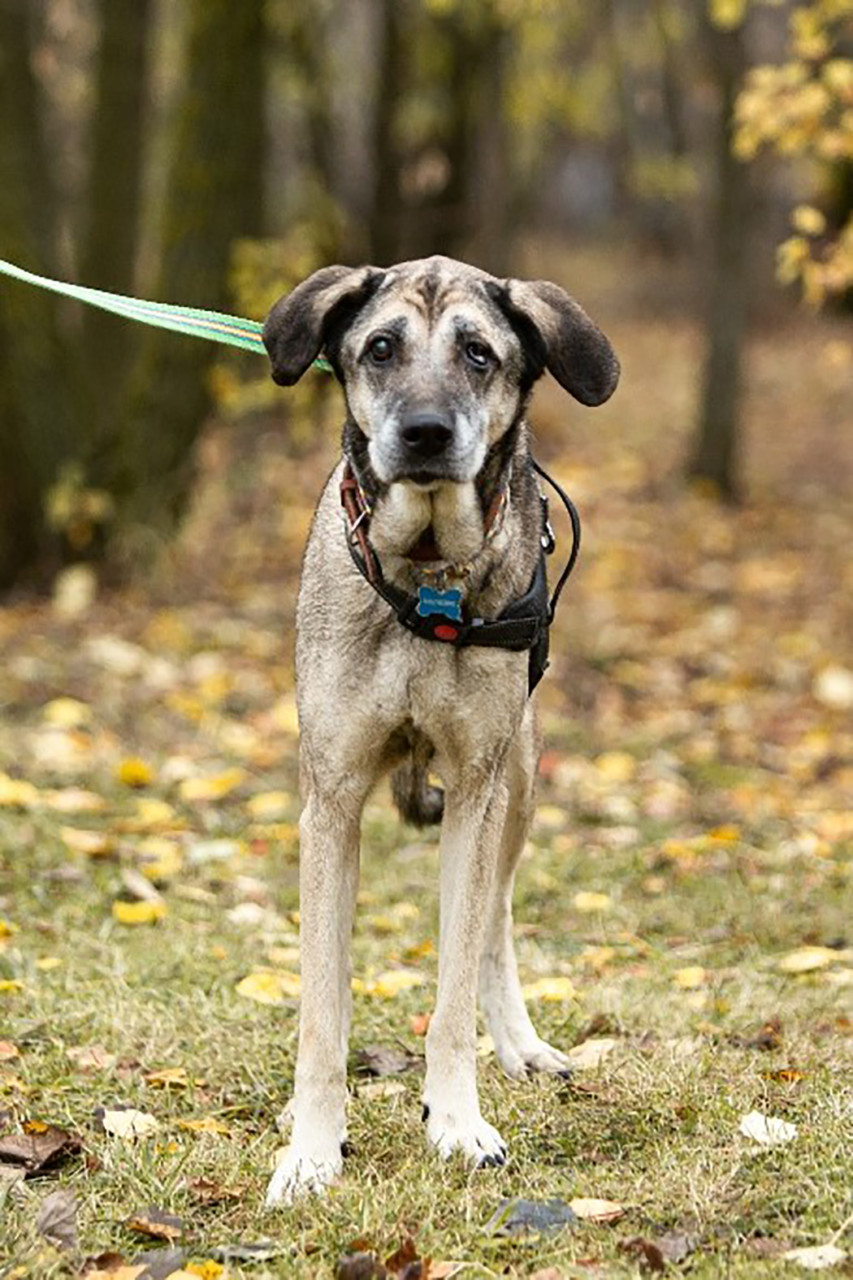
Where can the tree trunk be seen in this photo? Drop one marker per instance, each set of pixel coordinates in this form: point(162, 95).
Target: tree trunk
point(108, 257)
point(714, 455)
point(385, 233)
point(213, 196)
point(36, 413)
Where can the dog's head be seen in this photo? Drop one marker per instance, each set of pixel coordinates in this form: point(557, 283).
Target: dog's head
point(437, 358)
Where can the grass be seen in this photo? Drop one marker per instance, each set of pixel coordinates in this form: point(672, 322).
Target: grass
point(696, 774)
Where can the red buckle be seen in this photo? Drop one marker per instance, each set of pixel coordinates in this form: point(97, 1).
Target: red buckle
point(445, 632)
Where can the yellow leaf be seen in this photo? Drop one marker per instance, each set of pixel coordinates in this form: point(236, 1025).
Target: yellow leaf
point(73, 800)
point(7, 928)
point(138, 912)
point(207, 1270)
point(151, 813)
point(691, 977)
point(160, 858)
point(15, 794)
point(10, 986)
point(168, 1078)
point(283, 955)
point(206, 1125)
point(550, 815)
point(589, 1053)
point(616, 766)
point(808, 220)
point(95, 844)
point(589, 902)
point(390, 983)
point(66, 713)
point(285, 717)
point(134, 772)
point(807, 959)
point(550, 989)
point(128, 1272)
point(268, 804)
point(46, 963)
point(262, 986)
point(215, 787)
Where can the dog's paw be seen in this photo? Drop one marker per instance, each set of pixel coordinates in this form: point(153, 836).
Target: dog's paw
point(303, 1172)
point(521, 1058)
point(477, 1140)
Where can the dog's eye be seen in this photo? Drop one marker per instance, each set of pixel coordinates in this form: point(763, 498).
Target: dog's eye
point(380, 350)
point(479, 354)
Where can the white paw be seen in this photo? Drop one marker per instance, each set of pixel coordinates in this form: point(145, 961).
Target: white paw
point(303, 1171)
point(520, 1056)
point(451, 1131)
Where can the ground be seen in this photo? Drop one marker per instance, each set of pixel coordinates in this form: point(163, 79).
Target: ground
point(685, 904)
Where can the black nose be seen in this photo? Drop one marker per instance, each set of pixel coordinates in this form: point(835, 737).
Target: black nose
point(426, 433)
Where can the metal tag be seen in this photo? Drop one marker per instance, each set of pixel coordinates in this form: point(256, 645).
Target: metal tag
point(448, 603)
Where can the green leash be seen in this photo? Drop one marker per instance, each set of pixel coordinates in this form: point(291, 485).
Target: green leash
point(214, 326)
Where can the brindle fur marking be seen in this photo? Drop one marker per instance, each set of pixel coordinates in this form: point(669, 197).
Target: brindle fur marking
point(434, 430)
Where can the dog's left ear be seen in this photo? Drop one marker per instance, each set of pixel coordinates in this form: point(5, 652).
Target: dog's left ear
point(297, 327)
point(558, 333)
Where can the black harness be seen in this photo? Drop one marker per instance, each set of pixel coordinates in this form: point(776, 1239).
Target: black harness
point(523, 624)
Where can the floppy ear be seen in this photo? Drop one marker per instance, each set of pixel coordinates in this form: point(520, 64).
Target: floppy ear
point(297, 327)
point(558, 333)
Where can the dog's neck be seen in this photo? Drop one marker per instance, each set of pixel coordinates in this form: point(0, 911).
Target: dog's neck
point(452, 534)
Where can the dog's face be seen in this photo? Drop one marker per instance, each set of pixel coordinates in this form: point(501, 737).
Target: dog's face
point(437, 358)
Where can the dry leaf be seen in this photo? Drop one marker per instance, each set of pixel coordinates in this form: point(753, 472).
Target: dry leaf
point(592, 1210)
point(768, 1131)
point(207, 1124)
point(266, 987)
point(215, 787)
point(66, 713)
point(589, 1053)
point(134, 772)
point(807, 959)
point(816, 1257)
point(91, 1057)
point(550, 989)
point(95, 844)
point(38, 1147)
point(691, 977)
point(126, 1122)
point(57, 1219)
point(589, 902)
point(390, 983)
point(8, 1051)
point(168, 1078)
point(381, 1089)
point(385, 1060)
point(157, 1223)
point(133, 913)
point(269, 804)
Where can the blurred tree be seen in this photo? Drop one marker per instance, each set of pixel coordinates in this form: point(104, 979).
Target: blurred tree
point(37, 382)
point(213, 196)
point(110, 241)
point(713, 461)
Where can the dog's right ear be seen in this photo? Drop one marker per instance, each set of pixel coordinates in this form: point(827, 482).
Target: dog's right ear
point(298, 325)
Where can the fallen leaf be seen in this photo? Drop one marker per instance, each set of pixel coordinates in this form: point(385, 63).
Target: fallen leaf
point(266, 987)
point(159, 1264)
point(807, 959)
point(648, 1253)
point(520, 1217)
point(390, 983)
point(269, 804)
point(135, 913)
point(57, 1218)
point(381, 1089)
point(591, 1210)
point(550, 989)
point(17, 794)
point(207, 1191)
point(589, 1053)
point(134, 772)
point(419, 1024)
point(73, 800)
point(160, 859)
point(214, 787)
point(589, 902)
point(66, 713)
point(690, 977)
point(384, 1060)
point(126, 1122)
point(95, 844)
point(156, 1222)
point(40, 1146)
point(768, 1131)
point(201, 852)
point(206, 1124)
point(8, 1051)
point(91, 1057)
point(816, 1257)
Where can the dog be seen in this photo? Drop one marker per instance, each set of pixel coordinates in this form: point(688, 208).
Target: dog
point(420, 633)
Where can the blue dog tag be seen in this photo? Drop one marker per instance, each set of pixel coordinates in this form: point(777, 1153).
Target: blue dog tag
point(448, 603)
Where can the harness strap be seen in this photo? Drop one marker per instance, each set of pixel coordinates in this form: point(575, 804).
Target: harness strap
point(523, 625)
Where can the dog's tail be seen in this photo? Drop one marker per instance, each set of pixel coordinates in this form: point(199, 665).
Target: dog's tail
point(418, 801)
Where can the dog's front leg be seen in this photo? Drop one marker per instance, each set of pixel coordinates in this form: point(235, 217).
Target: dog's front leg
point(328, 882)
point(470, 834)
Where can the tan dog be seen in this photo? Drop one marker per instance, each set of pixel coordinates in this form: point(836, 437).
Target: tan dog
point(442, 528)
